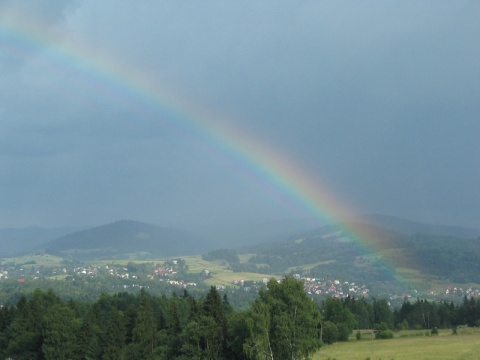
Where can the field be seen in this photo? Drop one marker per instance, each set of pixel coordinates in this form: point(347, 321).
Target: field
point(408, 345)
point(35, 260)
point(220, 274)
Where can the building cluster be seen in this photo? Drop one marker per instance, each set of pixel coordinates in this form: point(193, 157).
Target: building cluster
point(314, 286)
point(459, 291)
point(174, 272)
point(3, 274)
point(334, 288)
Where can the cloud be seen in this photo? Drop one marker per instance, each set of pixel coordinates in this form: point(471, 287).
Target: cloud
point(378, 101)
point(41, 16)
point(45, 13)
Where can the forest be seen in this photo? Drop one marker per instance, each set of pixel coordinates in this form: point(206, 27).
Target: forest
point(282, 322)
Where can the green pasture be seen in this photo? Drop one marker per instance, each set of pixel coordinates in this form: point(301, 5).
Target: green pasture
point(245, 257)
point(219, 272)
point(35, 260)
point(197, 264)
point(226, 277)
point(408, 345)
point(310, 266)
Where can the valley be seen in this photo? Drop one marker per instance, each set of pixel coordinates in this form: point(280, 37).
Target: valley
point(375, 291)
point(371, 257)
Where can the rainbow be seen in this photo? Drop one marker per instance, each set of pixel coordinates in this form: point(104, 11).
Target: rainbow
point(275, 169)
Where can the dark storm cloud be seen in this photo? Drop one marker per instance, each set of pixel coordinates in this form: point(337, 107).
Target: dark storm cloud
point(378, 100)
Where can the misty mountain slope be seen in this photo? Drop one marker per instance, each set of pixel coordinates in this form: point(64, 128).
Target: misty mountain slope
point(121, 238)
point(25, 240)
point(377, 256)
point(327, 250)
point(240, 235)
point(412, 227)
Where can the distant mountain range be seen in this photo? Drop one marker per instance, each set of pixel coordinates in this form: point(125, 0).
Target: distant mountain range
point(126, 239)
point(412, 227)
point(24, 240)
point(389, 249)
point(446, 251)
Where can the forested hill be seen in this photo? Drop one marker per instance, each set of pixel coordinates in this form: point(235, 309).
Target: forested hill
point(126, 238)
point(331, 251)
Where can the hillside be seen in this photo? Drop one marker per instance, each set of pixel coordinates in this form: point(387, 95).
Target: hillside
point(126, 239)
point(16, 241)
point(238, 235)
point(410, 227)
point(384, 256)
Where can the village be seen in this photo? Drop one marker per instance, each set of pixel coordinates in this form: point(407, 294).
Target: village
point(175, 273)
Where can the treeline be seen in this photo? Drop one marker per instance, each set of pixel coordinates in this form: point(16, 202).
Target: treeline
point(423, 314)
point(282, 322)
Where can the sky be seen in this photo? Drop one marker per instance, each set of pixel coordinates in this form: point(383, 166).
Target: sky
point(221, 112)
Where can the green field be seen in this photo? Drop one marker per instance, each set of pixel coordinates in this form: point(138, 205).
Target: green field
point(411, 345)
point(35, 260)
point(219, 272)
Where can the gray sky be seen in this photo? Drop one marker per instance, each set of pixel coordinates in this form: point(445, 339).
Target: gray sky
point(378, 100)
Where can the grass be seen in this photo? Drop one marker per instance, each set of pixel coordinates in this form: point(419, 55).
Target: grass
point(408, 345)
point(40, 259)
point(219, 272)
point(245, 257)
point(226, 277)
point(310, 266)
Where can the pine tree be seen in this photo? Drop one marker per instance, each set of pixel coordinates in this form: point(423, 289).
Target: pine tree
point(114, 337)
point(61, 326)
point(145, 330)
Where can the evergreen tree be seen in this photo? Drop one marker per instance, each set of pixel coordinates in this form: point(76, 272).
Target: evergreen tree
point(337, 312)
point(61, 326)
point(383, 313)
point(145, 330)
point(114, 337)
point(25, 335)
point(88, 337)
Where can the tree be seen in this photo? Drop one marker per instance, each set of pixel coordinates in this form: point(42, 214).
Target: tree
point(338, 313)
point(259, 343)
point(61, 326)
point(25, 335)
point(144, 332)
point(88, 337)
point(114, 337)
point(329, 332)
point(383, 313)
point(215, 324)
point(283, 323)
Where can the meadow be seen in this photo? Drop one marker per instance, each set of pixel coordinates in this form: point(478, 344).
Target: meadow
point(219, 271)
point(408, 345)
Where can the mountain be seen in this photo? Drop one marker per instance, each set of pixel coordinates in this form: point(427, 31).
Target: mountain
point(126, 239)
point(17, 241)
point(411, 227)
point(381, 256)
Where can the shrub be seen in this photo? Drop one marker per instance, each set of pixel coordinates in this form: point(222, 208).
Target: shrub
point(343, 332)
point(329, 333)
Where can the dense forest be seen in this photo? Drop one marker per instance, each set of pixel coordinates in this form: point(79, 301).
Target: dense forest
point(282, 322)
